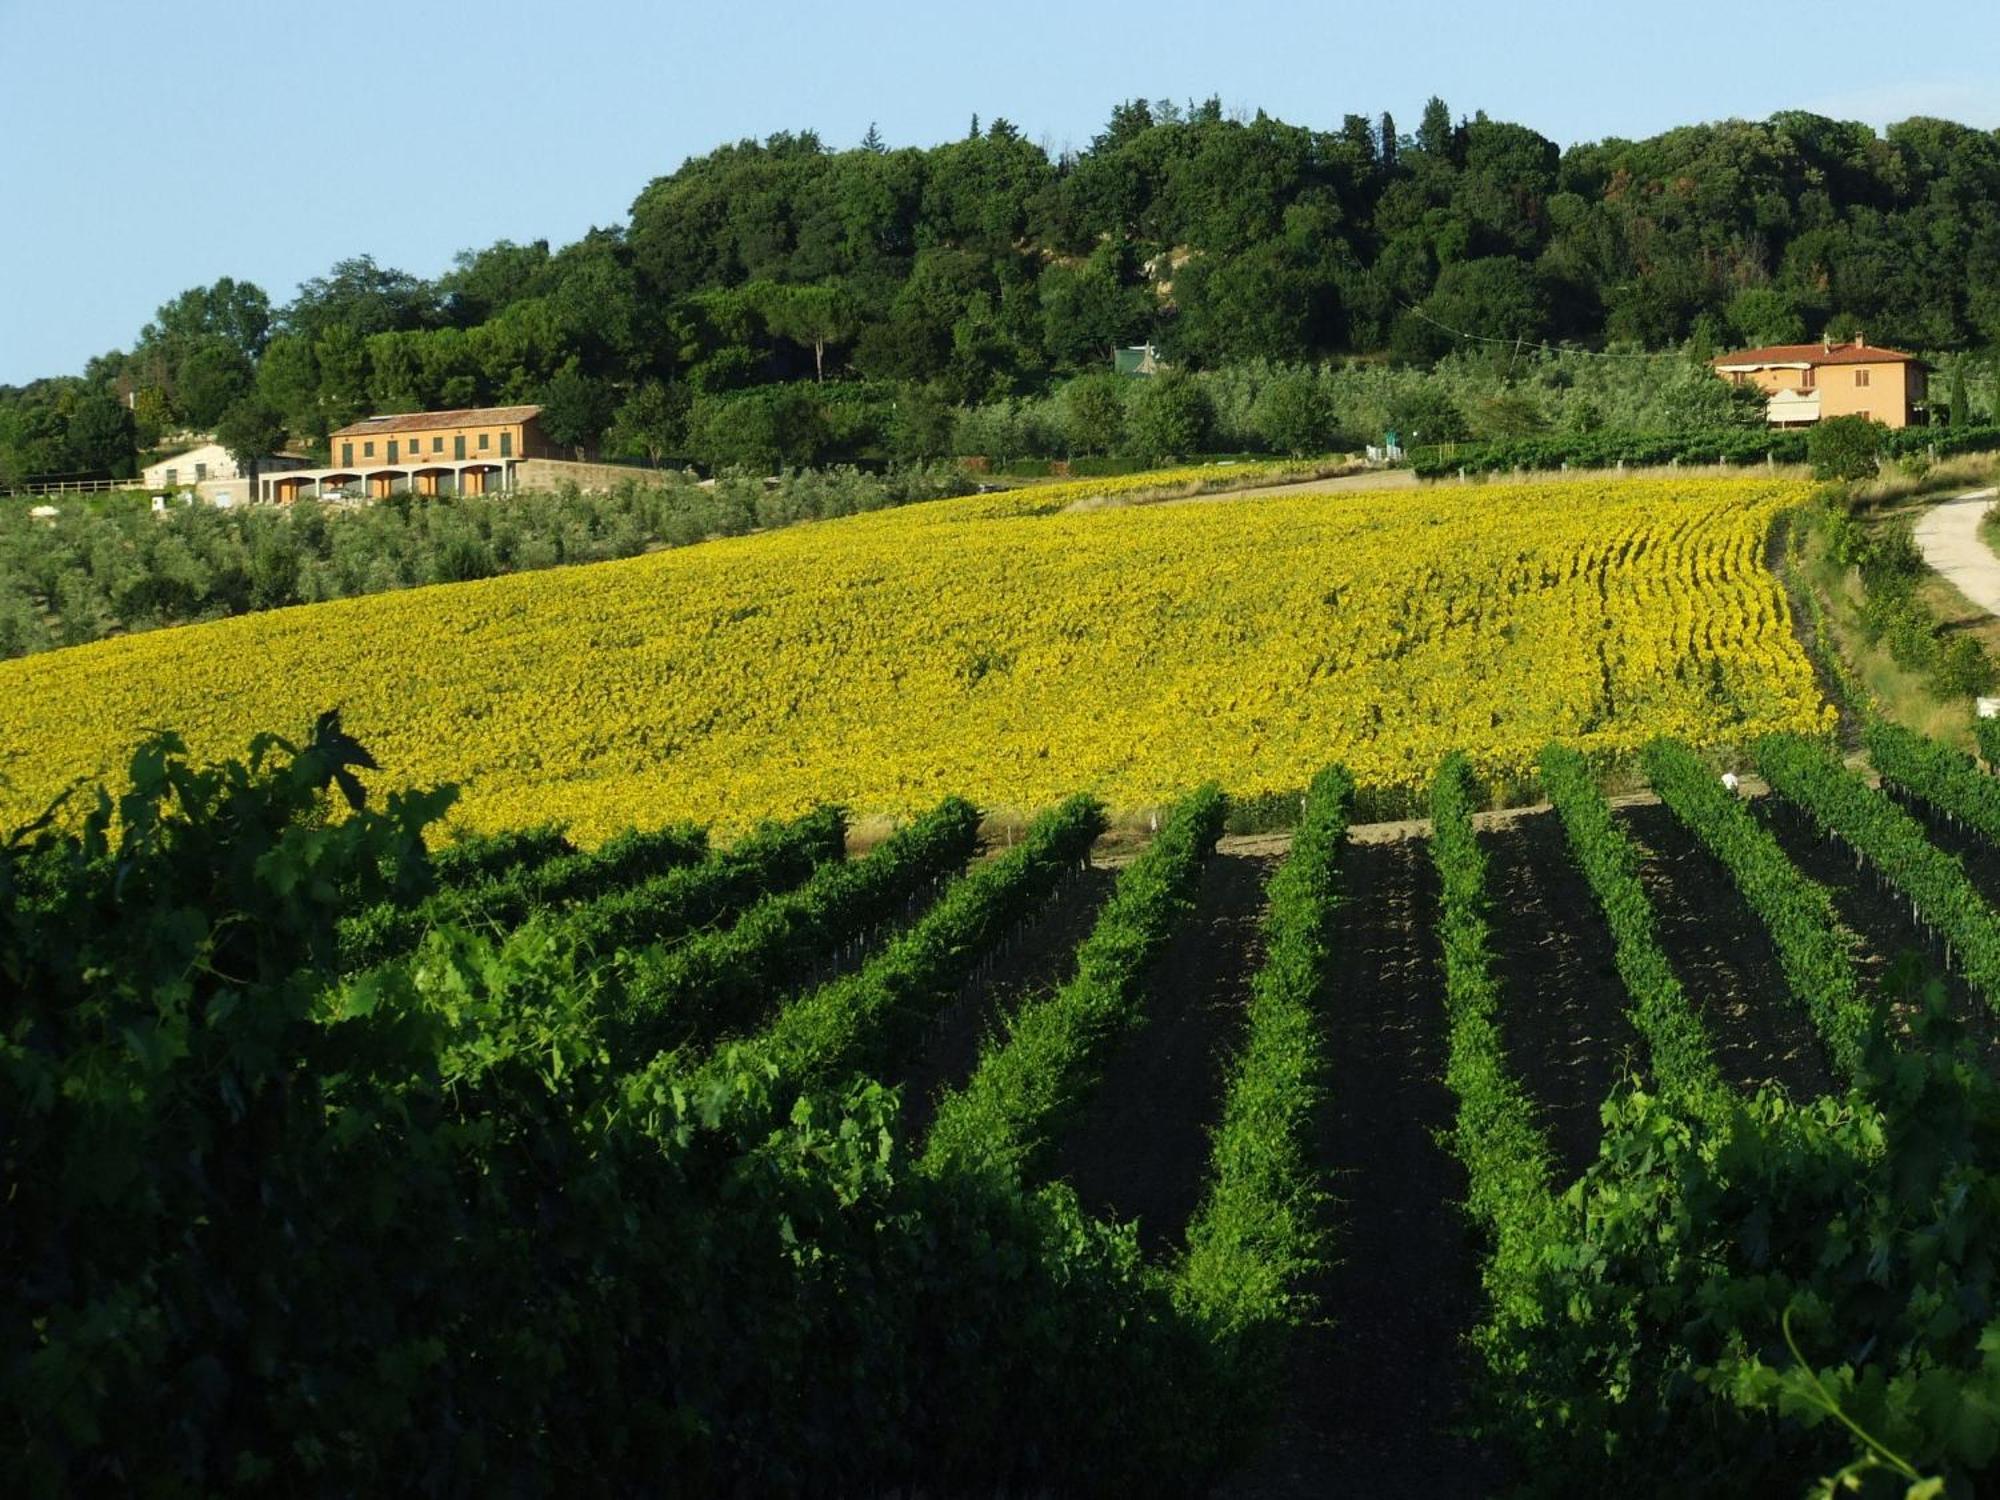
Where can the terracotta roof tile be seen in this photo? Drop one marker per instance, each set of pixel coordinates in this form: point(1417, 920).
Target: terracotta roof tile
point(431, 421)
point(1816, 354)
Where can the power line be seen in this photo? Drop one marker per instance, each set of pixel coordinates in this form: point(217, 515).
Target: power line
point(1519, 344)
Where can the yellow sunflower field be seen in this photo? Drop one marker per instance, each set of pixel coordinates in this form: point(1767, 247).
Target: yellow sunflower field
point(1006, 647)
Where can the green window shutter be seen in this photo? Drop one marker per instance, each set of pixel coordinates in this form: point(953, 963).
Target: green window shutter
point(347, 455)
point(458, 446)
point(506, 445)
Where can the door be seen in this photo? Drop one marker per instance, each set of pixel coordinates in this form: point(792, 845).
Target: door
point(458, 447)
point(392, 450)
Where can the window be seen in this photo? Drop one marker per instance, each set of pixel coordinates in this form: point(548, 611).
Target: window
point(392, 450)
point(1810, 372)
point(458, 445)
point(347, 455)
point(484, 438)
point(1861, 377)
point(506, 445)
point(437, 445)
point(173, 477)
point(367, 450)
point(200, 473)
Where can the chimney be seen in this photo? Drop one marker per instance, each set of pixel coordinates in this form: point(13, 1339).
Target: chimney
point(1860, 341)
point(1826, 342)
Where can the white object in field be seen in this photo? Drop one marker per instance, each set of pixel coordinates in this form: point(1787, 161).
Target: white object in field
point(159, 502)
point(1989, 708)
point(1729, 780)
point(44, 512)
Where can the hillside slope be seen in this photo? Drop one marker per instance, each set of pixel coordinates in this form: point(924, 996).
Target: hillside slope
point(1001, 648)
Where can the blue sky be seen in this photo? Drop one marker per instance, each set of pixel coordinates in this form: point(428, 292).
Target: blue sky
point(149, 147)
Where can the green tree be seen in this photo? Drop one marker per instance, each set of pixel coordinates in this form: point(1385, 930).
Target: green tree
point(102, 435)
point(1093, 413)
point(1493, 297)
point(1762, 315)
point(1427, 414)
point(1434, 131)
point(812, 316)
point(1846, 447)
point(576, 408)
point(288, 382)
point(1294, 414)
point(1169, 417)
point(651, 422)
point(920, 426)
point(209, 380)
point(760, 430)
point(251, 429)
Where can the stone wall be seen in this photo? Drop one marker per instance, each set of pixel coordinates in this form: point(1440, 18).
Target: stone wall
point(553, 473)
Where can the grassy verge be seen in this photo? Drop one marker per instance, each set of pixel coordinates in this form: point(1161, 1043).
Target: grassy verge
point(1863, 664)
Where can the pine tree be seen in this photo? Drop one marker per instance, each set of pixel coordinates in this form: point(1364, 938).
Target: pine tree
point(873, 140)
point(1434, 133)
point(973, 133)
point(1385, 142)
point(1961, 405)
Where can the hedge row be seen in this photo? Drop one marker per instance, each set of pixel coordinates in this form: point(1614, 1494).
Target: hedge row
point(1733, 445)
point(1025, 1086)
point(772, 857)
point(1814, 950)
point(1683, 1062)
point(866, 1019)
point(1935, 884)
point(507, 897)
point(727, 979)
point(1260, 1230)
point(1509, 1166)
point(1946, 778)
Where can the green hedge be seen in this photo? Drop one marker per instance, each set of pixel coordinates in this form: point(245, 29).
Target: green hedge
point(1260, 1230)
point(1732, 445)
point(868, 1019)
point(1683, 1061)
point(1815, 951)
point(1935, 884)
point(728, 979)
point(1509, 1166)
point(1028, 1084)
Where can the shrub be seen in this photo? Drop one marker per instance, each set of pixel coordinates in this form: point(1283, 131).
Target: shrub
point(1845, 447)
point(1170, 417)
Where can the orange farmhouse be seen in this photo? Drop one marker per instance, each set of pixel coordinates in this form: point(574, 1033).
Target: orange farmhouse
point(1806, 382)
point(469, 452)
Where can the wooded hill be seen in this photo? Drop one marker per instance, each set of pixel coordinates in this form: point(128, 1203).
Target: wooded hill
point(915, 281)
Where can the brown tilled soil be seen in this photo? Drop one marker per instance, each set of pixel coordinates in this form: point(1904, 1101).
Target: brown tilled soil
point(1036, 959)
point(1562, 1014)
point(1879, 918)
point(1725, 961)
point(1372, 1396)
point(1139, 1147)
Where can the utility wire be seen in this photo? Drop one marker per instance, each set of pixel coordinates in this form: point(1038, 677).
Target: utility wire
point(1519, 344)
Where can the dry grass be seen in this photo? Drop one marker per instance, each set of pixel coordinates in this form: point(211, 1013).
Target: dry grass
point(1897, 483)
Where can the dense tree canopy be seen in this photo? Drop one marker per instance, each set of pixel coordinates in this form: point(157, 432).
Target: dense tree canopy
point(986, 269)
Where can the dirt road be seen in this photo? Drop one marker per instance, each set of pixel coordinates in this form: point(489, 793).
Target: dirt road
point(1948, 536)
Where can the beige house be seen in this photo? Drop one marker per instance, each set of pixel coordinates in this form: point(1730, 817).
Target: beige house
point(211, 473)
point(1806, 382)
